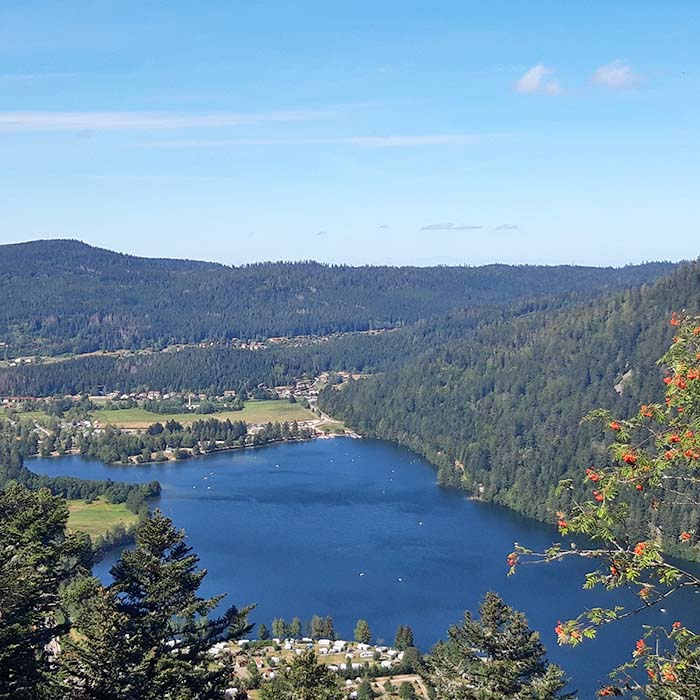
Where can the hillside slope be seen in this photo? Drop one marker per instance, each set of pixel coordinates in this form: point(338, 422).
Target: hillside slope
point(65, 296)
point(499, 411)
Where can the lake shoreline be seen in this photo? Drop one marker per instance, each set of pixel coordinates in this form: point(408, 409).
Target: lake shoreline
point(293, 528)
point(75, 452)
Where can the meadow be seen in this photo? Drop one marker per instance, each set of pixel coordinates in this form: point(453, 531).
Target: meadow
point(252, 412)
point(97, 517)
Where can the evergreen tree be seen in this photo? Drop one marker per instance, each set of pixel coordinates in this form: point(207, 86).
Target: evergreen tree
point(328, 628)
point(398, 638)
point(411, 662)
point(304, 679)
point(295, 628)
point(279, 628)
point(364, 691)
point(263, 632)
point(317, 627)
point(99, 664)
point(404, 638)
point(496, 657)
point(363, 635)
point(254, 675)
point(147, 636)
point(407, 691)
point(36, 558)
point(389, 687)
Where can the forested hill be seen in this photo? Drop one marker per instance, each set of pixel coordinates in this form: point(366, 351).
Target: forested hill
point(499, 410)
point(63, 296)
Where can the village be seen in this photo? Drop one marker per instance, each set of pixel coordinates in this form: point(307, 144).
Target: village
point(381, 667)
point(304, 390)
point(271, 414)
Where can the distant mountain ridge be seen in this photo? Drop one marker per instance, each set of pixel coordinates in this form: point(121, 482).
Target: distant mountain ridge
point(66, 296)
point(70, 253)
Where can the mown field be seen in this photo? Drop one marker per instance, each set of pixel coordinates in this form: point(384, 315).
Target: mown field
point(253, 412)
point(27, 415)
point(97, 517)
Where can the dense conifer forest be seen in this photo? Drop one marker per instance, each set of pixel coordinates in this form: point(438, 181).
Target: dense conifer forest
point(499, 411)
point(64, 296)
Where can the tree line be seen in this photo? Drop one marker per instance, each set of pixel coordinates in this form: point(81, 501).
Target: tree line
point(68, 297)
point(19, 441)
point(319, 627)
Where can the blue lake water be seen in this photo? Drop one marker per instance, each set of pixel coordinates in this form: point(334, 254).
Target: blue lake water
point(291, 527)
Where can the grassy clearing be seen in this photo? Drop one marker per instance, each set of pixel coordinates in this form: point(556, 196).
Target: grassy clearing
point(97, 517)
point(39, 416)
point(128, 418)
point(334, 427)
point(253, 412)
point(271, 411)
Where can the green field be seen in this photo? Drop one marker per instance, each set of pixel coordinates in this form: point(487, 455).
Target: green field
point(27, 415)
point(97, 517)
point(253, 412)
point(334, 427)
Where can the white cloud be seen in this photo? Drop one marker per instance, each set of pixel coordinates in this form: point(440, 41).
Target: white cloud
point(507, 227)
point(129, 121)
point(615, 75)
point(536, 80)
point(357, 141)
point(449, 227)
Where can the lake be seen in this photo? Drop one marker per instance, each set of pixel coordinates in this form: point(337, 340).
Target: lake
point(359, 528)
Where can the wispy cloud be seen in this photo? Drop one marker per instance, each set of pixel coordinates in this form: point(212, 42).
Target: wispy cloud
point(615, 75)
point(30, 77)
point(383, 226)
point(129, 121)
point(429, 140)
point(449, 227)
point(321, 233)
point(507, 227)
point(356, 141)
point(536, 80)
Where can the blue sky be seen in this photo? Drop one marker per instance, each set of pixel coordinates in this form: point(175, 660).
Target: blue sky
point(360, 132)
